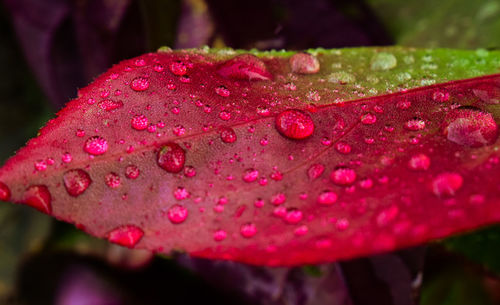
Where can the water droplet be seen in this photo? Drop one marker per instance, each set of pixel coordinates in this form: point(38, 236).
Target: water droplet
point(109, 105)
point(225, 115)
point(304, 63)
point(227, 135)
point(419, 162)
point(414, 124)
point(368, 118)
point(327, 197)
point(315, 171)
point(189, 171)
point(132, 172)
point(38, 197)
point(96, 145)
point(341, 77)
point(40, 165)
point(248, 230)
point(470, 126)
point(343, 147)
point(171, 157)
point(112, 180)
point(127, 235)
point(181, 193)
point(446, 184)
point(76, 181)
point(222, 91)
point(179, 130)
point(139, 84)
point(250, 175)
point(177, 214)
point(139, 122)
point(295, 124)
point(66, 157)
point(383, 61)
point(244, 67)
point(403, 104)
point(4, 192)
point(220, 235)
point(366, 183)
point(302, 230)
point(440, 96)
point(178, 68)
point(278, 199)
point(293, 216)
point(342, 175)
point(487, 93)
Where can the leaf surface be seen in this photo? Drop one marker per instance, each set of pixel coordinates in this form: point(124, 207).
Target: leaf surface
point(281, 159)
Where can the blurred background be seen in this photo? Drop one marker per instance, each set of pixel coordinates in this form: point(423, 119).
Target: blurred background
point(50, 48)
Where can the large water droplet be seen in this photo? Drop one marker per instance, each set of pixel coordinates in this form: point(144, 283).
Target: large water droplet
point(248, 230)
point(177, 214)
point(227, 135)
point(470, 126)
point(295, 124)
point(76, 181)
point(383, 61)
point(139, 122)
point(178, 68)
point(38, 197)
point(245, 67)
point(343, 175)
point(171, 157)
point(446, 184)
point(304, 63)
point(4, 192)
point(127, 235)
point(139, 84)
point(95, 145)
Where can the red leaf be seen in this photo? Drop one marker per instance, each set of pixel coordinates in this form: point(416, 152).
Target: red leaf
point(221, 159)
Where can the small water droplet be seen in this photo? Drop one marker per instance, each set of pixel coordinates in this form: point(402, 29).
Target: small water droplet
point(295, 124)
point(250, 175)
point(293, 216)
point(341, 77)
point(446, 184)
point(139, 84)
point(109, 105)
point(278, 199)
point(112, 180)
point(227, 135)
point(419, 162)
point(4, 192)
point(76, 181)
point(96, 145)
point(368, 118)
point(220, 235)
point(245, 67)
point(342, 175)
point(225, 115)
point(181, 193)
point(139, 122)
point(440, 96)
point(178, 68)
point(315, 171)
point(248, 230)
point(38, 197)
point(171, 157)
point(383, 61)
point(177, 214)
point(66, 157)
point(222, 91)
point(189, 171)
point(327, 197)
point(179, 130)
point(415, 124)
point(304, 63)
point(343, 147)
point(132, 172)
point(403, 104)
point(127, 235)
point(302, 230)
point(40, 165)
point(470, 126)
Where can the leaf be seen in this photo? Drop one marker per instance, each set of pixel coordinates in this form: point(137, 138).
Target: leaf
point(243, 158)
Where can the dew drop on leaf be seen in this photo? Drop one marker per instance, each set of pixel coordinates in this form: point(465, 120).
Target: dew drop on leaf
point(177, 214)
point(220, 235)
point(293, 216)
point(139, 122)
point(109, 105)
point(315, 171)
point(76, 181)
point(342, 175)
point(304, 63)
point(4, 192)
point(248, 230)
point(470, 126)
point(139, 84)
point(250, 175)
point(244, 67)
point(178, 68)
point(38, 197)
point(96, 145)
point(368, 118)
point(327, 197)
point(171, 157)
point(419, 162)
point(414, 124)
point(343, 147)
point(295, 124)
point(112, 180)
point(132, 172)
point(383, 61)
point(127, 235)
point(227, 135)
point(446, 184)
point(222, 91)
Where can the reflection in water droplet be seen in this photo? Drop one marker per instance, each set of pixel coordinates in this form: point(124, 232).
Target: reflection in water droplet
point(38, 197)
point(95, 145)
point(177, 214)
point(304, 63)
point(171, 157)
point(127, 235)
point(470, 126)
point(76, 181)
point(446, 184)
point(295, 124)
